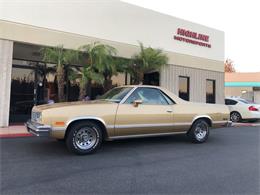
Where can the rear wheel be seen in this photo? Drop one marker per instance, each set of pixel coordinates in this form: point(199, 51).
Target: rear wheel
point(84, 138)
point(235, 117)
point(199, 131)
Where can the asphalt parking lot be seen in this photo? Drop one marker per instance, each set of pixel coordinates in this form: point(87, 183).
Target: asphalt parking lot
point(229, 163)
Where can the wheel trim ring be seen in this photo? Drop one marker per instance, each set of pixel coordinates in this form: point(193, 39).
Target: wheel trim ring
point(201, 131)
point(85, 138)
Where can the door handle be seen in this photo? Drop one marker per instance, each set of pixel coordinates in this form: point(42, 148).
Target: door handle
point(169, 111)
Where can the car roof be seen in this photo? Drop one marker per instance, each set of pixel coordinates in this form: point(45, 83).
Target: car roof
point(234, 98)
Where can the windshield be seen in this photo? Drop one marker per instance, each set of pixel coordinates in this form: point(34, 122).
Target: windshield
point(115, 94)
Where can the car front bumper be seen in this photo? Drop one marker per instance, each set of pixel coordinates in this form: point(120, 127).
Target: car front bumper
point(38, 129)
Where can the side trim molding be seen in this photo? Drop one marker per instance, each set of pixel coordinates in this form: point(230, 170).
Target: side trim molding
point(151, 125)
point(219, 122)
point(146, 135)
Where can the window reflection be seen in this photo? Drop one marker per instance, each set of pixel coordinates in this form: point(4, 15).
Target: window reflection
point(210, 91)
point(184, 88)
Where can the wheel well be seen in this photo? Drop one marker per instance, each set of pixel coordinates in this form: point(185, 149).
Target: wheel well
point(99, 123)
point(205, 119)
point(236, 112)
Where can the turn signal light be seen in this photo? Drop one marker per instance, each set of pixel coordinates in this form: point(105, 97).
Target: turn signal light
point(252, 108)
point(58, 123)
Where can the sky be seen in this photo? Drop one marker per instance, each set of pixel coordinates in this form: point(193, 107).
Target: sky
point(239, 19)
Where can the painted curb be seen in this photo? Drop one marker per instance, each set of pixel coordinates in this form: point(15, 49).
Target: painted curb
point(14, 135)
point(245, 125)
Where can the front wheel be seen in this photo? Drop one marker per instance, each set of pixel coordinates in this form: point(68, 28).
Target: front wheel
point(84, 138)
point(199, 131)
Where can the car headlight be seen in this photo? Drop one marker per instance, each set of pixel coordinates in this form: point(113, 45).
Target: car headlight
point(36, 116)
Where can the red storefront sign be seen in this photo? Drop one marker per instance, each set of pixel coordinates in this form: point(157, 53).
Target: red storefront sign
point(192, 37)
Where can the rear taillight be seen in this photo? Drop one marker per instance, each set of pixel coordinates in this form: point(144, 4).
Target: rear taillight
point(252, 108)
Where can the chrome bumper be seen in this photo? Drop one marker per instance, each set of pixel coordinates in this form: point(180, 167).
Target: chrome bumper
point(37, 129)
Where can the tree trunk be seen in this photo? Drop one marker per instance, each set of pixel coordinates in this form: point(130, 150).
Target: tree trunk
point(60, 82)
point(89, 89)
point(82, 92)
point(138, 78)
point(67, 83)
point(141, 78)
point(107, 84)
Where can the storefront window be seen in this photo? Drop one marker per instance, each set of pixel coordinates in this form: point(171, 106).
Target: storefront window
point(210, 91)
point(184, 88)
point(22, 94)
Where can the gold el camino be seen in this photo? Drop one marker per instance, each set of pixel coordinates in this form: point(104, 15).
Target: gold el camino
point(126, 112)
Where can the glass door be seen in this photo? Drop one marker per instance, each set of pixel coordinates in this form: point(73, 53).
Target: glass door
point(22, 94)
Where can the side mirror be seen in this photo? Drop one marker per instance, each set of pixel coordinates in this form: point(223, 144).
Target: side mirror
point(137, 102)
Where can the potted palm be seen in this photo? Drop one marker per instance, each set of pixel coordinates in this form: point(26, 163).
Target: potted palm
point(147, 60)
point(62, 58)
point(98, 66)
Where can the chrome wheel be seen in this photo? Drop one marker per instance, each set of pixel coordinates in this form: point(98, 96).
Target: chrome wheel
point(201, 131)
point(235, 117)
point(85, 138)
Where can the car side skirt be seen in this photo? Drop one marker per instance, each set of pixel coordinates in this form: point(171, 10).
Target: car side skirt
point(146, 135)
point(153, 128)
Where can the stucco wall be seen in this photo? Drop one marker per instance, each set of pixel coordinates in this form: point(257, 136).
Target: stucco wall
point(46, 37)
point(115, 21)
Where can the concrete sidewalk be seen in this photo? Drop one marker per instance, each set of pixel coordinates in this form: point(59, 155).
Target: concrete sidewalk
point(14, 131)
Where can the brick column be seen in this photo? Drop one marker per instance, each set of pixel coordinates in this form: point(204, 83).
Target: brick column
point(6, 58)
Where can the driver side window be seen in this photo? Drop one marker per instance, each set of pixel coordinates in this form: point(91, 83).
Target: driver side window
point(148, 96)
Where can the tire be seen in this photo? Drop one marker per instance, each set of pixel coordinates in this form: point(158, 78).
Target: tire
point(235, 117)
point(199, 131)
point(84, 138)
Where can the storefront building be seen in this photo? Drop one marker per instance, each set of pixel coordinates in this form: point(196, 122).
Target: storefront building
point(195, 70)
point(245, 85)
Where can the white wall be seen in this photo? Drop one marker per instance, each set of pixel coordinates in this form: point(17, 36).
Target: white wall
point(112, 20)
point(257, 97)
point(6, 57)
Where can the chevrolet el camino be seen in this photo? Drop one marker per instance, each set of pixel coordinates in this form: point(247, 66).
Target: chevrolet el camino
point(126, 112)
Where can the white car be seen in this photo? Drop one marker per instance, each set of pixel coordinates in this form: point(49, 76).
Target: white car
point(241, 109)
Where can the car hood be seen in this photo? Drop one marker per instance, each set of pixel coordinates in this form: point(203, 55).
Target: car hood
point(66, 104)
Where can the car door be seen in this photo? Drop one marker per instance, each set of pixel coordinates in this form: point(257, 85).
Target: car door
point(145, 111)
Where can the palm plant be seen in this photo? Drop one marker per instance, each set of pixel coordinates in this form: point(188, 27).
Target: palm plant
point(98, 66)
point(61, 57)
point(148, 59)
